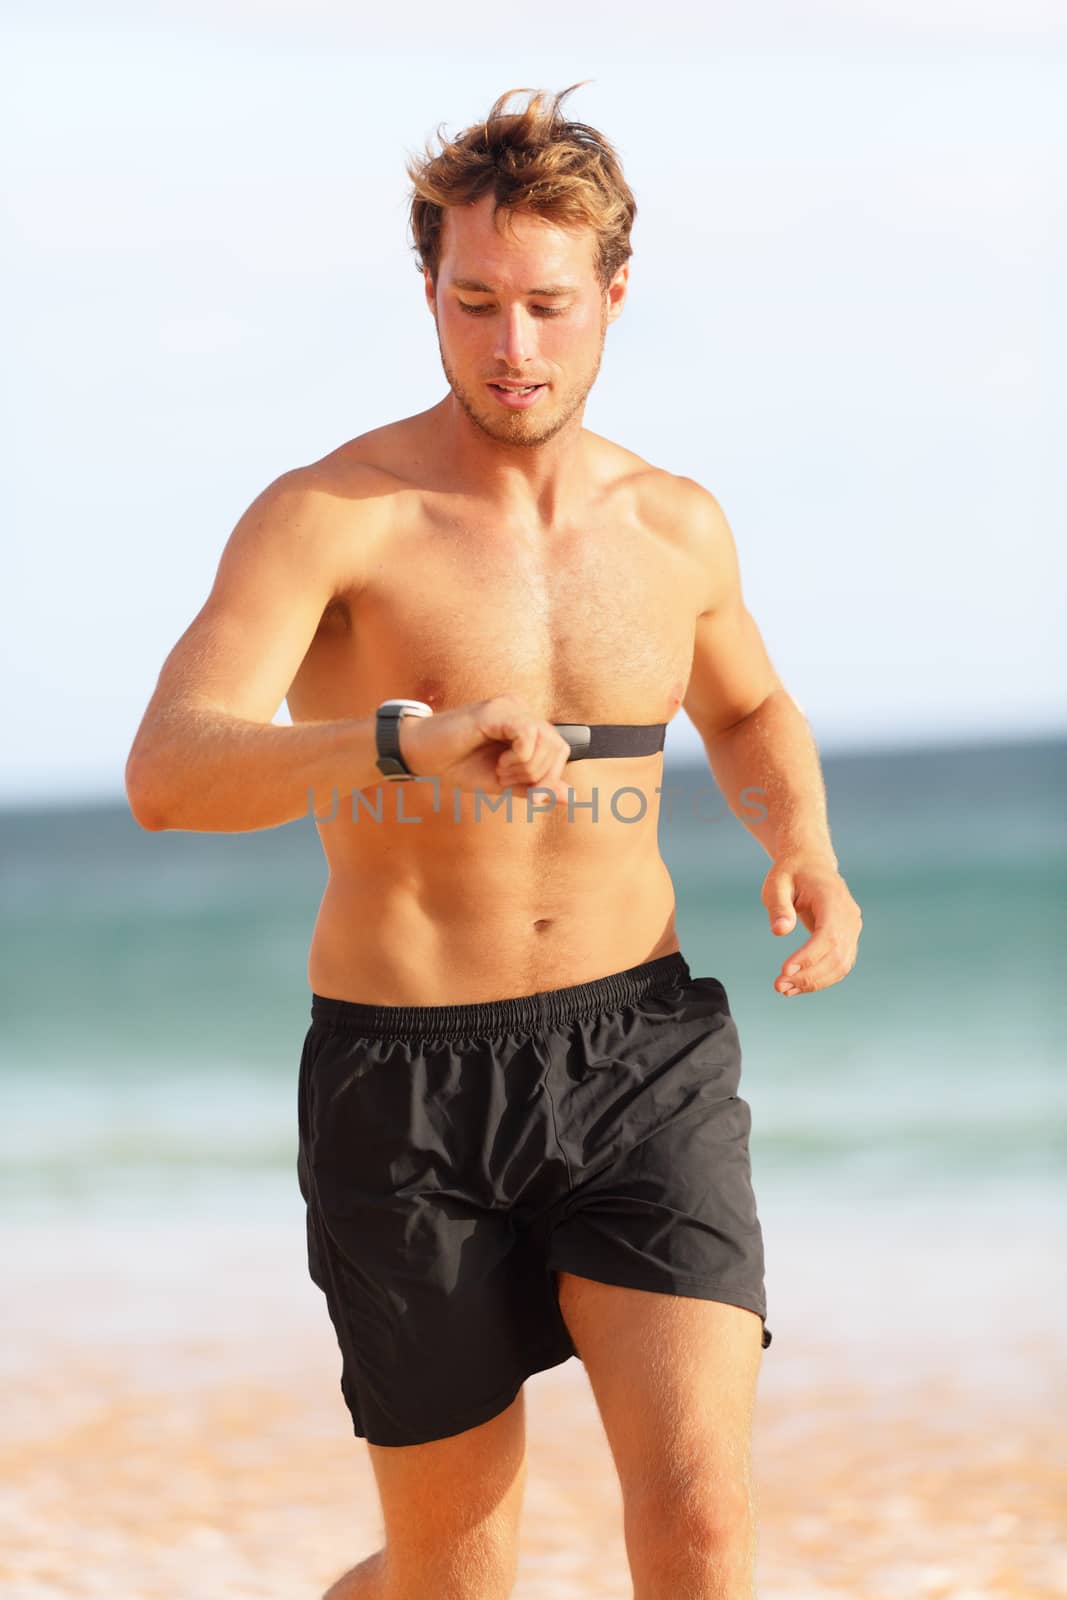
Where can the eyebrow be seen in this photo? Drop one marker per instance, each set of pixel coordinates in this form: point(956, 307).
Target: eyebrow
point(474, 286)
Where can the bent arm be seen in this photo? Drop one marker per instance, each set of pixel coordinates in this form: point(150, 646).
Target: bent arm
point(757, 740)
point(767, 766)
point(207, 756)
point(210, 772)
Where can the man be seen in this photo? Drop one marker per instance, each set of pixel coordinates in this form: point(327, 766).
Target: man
point(520, 1133)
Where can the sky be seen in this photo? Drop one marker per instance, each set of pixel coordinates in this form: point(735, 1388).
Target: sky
point(846, 318)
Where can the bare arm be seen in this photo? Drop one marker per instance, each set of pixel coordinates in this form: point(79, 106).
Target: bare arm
point(207, 756)
point(230, 775)
point(208, 759)
point(757, 738)
point(755, 735)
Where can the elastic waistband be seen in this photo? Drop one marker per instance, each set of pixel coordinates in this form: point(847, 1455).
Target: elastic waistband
point(523, 1013)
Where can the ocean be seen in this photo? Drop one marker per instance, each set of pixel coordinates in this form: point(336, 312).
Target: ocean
point(155, 997)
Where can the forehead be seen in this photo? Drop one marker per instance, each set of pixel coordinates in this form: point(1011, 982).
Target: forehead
point(509, 248)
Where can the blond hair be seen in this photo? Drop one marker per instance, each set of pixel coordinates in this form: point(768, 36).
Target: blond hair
point(533, 160)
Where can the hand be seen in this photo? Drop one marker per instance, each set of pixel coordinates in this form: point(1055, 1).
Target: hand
point(494, 745)
point(810, 884)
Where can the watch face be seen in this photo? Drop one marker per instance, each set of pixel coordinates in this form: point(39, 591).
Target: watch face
point(417, 708)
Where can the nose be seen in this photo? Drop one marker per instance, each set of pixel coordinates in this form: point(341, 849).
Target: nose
point(513, 343)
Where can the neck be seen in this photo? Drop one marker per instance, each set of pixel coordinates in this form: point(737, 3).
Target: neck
point(533, 482)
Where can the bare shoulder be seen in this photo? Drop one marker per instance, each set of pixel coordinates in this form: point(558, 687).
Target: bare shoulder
point(701, 525)
point(663, 497)
point(383, 461)
point(349, 499)
point(700, 518)
point(683, 513)
point(681, 505)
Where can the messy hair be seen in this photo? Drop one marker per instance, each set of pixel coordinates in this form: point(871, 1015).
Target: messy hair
point(535, 161)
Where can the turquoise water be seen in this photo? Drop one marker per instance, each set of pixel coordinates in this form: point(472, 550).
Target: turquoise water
point(154, 999)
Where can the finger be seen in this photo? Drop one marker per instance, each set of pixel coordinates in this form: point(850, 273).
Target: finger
point(554, 778)
point(779, 903)
point(545, 753)
point(825, 978)
point(819, 973)
point(546, 793)
point(506, 721)
point(826, 935)
point(558, 752)
point(781, 912)
point(543, 764)
point(524, 743)
point(805, 956)
point(835, 935)
point(517, 765)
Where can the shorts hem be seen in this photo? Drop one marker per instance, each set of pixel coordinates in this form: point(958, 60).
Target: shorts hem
point(498, 1401)
point(677, 1283)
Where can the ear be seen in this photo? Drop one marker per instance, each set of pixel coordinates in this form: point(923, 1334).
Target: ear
point(430, 292)
point(616, 291)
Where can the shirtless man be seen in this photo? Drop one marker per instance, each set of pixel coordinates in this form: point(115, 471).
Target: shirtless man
point(520, 1133)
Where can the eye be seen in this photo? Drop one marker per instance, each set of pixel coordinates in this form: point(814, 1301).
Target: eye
point(541, 311)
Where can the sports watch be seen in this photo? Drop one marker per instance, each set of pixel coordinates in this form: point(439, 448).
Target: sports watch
point(387, 720)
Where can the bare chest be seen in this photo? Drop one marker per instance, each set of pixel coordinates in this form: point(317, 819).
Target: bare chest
point(591, 625)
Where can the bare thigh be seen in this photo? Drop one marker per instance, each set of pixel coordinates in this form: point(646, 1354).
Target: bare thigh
point(451, 1508)
point(674, 1378)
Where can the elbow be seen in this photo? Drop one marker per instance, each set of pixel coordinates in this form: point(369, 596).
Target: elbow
point(143, 801)
point(728, 723)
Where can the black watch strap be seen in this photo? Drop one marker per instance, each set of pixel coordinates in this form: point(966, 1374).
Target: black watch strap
point(387, 720)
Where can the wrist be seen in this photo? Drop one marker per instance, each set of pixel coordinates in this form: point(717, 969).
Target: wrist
point(392, 741)
point(407, 733)
point(812, 853)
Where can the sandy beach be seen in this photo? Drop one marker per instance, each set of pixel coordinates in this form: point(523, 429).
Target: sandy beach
point(174, 1428)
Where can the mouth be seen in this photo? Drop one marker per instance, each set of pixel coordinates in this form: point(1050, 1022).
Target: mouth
point(517, 399)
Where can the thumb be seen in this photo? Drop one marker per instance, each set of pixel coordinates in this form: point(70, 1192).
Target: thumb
point(778, 898)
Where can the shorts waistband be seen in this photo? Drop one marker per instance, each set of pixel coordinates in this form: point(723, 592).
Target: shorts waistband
point(522, 1013)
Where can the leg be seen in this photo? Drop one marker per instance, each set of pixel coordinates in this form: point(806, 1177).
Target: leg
point(674, 1378)
point(451, 1513)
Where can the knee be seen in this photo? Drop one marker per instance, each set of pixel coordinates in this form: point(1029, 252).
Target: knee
point(692, 1544)
point(708, 1517)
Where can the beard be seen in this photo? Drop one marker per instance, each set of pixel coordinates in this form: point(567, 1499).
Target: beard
point(534, 427)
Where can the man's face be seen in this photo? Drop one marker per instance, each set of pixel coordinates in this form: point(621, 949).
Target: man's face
point(497, 323)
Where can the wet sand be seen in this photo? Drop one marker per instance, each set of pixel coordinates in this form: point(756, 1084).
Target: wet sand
point(173, 1425)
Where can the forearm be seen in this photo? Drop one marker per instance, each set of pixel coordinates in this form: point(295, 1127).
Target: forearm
point(205, 771)
point(772, 750)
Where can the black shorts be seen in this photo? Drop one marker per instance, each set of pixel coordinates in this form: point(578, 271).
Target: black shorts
point(453, 1158)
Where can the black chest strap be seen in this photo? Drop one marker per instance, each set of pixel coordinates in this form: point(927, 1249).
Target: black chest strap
point(596, 741)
